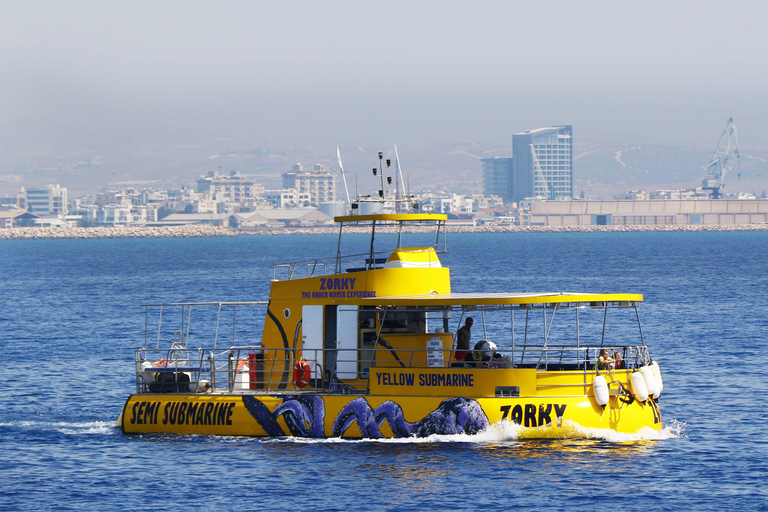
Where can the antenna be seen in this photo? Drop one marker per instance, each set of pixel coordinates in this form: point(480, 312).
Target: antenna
point(381, 173)
point(343, 176)
point(400, 173)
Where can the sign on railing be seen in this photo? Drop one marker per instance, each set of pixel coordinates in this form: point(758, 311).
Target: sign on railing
point(435, 352)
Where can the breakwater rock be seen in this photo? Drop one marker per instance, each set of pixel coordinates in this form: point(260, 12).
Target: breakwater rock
point(117, 232)
point(190, 231)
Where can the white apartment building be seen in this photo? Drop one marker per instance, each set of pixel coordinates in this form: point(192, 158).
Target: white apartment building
point(113, 215)
point(234, 188)
point(319, 183)
point(287, 198)
point(204, 206)
point(121, 215)
point(43, 201)
point(482, 202)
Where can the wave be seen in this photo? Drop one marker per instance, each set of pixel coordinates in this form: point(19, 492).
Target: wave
point(65, 427)
point(506, 431)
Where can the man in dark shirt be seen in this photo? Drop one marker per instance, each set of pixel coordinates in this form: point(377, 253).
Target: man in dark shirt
point(462, 339)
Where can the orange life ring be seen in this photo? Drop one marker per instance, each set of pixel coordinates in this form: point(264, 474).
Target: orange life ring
point(243, 366)
point(301, 374)
point(162, 363)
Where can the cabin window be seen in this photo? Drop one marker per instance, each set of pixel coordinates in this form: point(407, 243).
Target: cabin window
point(405, 320)
point(416, 320)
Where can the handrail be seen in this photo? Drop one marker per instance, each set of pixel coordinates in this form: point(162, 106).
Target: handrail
point(234, 374)
point(329, 265)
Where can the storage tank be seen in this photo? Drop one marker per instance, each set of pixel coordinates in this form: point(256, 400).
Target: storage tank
point(367, 208)
point(334, 208)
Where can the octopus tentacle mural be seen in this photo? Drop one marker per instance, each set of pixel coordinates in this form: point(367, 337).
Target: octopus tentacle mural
point(286, 349)
point(305, 416)
point(358, 410)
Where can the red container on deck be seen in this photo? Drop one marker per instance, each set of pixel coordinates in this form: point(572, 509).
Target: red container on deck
point(255, 370)
point(252, 376)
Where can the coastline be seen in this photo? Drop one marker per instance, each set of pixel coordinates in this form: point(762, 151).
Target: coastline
point(199, 231)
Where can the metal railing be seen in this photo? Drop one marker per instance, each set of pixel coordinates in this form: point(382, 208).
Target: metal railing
point(252, 370)
point(329, 266)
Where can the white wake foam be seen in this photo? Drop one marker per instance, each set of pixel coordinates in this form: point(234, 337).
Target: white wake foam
point(65, 427)
point(506, 431)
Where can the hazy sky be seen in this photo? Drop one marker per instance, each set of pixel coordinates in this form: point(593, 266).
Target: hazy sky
point(327, 71)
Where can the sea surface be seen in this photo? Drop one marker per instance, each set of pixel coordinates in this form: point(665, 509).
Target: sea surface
point(71, 318)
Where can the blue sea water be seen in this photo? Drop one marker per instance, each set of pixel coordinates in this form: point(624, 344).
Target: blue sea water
point(71, 318)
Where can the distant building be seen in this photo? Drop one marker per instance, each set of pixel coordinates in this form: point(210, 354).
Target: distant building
point(318, 183)
point(113, 215)
point(234, 188)
point(43, 201)
point(213, 219)
point(657, 212)
point(668, 194)
point(496, 175)
point(122, 197)
point(284, 217)
point(492, 202)
point(635, 195)
point(16, 218)
point(542, 164)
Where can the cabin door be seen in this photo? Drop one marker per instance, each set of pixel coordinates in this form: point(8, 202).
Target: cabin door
point(346, 329)
point(329, 340)
point(312, 335)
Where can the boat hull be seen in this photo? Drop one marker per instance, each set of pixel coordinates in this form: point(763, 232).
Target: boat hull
point(350, 416)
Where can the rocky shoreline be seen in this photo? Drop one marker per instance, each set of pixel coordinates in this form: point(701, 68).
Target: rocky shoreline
point(197, 231)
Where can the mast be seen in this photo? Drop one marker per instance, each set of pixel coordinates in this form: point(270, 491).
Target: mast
point(400, 174)
point(343, 177)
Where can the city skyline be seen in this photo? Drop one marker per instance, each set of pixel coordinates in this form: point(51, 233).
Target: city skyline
point(164, 91)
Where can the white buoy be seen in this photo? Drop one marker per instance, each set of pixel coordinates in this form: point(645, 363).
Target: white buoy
point(145, 369)
point(203, 386)
point(639, 387)
point(650, 379)
point(600, 387)
point(659, 381)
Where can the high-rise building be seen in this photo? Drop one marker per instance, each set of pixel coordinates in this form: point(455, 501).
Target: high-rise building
point(542, 164)
point(43, 201)
point(496, 175)
point(318, 183)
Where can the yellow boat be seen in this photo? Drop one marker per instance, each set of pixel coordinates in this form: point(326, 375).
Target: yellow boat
point(363, 345)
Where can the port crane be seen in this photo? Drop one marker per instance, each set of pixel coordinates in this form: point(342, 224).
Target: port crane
point(715, 170)
point(540, 175)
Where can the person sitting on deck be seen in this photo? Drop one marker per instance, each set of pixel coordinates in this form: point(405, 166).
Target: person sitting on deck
point(605, 361)
point(482, 355)
point(619, 361)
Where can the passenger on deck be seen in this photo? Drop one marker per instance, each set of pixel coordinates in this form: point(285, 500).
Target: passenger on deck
point(619, 361)
point(482, 356)
point(605, 361)
point(462, 340)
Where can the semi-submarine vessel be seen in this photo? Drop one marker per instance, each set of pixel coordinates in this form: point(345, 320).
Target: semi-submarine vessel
point(363, 344)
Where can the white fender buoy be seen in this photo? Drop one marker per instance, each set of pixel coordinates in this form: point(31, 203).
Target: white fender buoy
point(600, 386)
point(659, 381)
point(147, 375)
point(639, 387)
point(650, 379)
point(203, 386)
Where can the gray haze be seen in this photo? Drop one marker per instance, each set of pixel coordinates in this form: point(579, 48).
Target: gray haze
point(126, 85)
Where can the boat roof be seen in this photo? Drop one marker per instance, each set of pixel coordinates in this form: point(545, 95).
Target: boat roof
point(491, 299)
point(392, 217)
